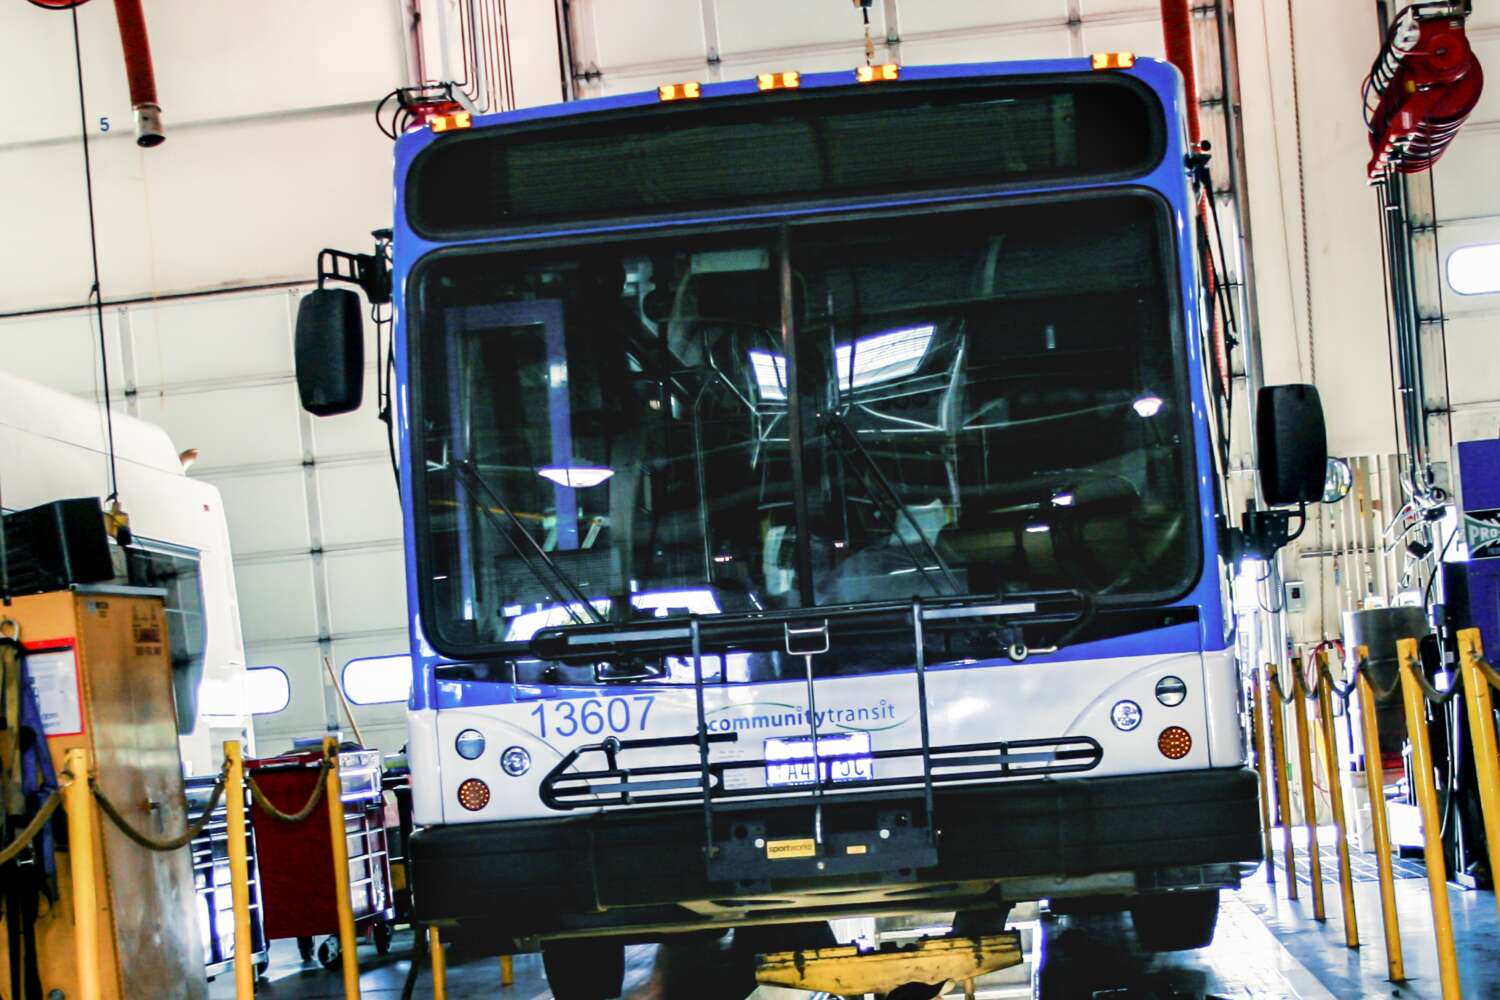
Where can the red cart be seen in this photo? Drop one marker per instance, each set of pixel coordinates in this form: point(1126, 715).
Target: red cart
point(296, 861)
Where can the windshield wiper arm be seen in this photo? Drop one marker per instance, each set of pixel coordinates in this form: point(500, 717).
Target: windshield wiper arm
point(880, 490)
point(560, 587)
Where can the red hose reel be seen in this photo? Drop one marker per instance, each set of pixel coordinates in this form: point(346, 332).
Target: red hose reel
point(1421, 89)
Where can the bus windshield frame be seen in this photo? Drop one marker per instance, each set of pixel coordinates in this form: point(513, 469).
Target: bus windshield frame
point(913, 548)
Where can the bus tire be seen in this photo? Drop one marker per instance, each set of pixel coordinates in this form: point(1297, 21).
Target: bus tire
point(1177, 921)
point(584, 970)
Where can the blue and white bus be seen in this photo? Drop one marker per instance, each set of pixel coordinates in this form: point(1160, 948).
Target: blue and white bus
point(813, 508)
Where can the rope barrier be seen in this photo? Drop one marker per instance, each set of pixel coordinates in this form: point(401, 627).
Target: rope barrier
point(27, 835)
point(170, 843)
point(1488, 672)
point(312, 803)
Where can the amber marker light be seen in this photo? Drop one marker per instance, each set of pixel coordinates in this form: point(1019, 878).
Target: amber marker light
point(875, 74)
point(1113, 60)
point(447, 123)
point(785, 80)
point(1174, 743)
point(689, 91)
point(473, 795)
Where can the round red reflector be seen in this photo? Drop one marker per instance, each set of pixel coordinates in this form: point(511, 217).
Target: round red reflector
point(1174, 742)
point(474, 794)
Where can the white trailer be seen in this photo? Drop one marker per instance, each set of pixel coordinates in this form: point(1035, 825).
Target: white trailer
point(54, 446)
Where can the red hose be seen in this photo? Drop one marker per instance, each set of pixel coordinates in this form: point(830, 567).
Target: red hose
point(1177, 26)
point(139, 73)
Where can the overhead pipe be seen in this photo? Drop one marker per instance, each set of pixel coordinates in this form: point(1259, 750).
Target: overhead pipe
point(1177, 26)
point(149, 130)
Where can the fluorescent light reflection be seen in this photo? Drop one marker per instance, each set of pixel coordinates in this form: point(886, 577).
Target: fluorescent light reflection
point(525, 624)
point(875, 358)
point(1147, 405)
point(579, 476)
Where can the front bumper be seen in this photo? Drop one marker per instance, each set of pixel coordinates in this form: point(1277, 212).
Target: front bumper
point(637, 870)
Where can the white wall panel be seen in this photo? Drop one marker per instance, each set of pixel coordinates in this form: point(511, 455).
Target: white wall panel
point(60, 350)
point(214, 59)
point(359, 503)
point(267, 511)
point(223, 337)
point(367, 589)
point(276, 599)
point(232, 426)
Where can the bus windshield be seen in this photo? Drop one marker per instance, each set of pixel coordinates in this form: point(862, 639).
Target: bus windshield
point(987, 399)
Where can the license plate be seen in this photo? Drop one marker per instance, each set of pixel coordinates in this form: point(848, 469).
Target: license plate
point(841, 757)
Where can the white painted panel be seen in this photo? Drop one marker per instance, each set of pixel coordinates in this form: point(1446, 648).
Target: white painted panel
point(1044, 43)
point(217, 206)
point(1486, 44)
point(1473, 339)
point(218, 337)
point(1465, 175)
point(1143, 37)
point(1095, 9)
point(921, 17)
point(213, 59)
point(360, 503)
point(769, 26)
point(61, 350)
point(367, 590)
point(231, 426)
point(276, 599)
point(631, 32)
point(267, 512)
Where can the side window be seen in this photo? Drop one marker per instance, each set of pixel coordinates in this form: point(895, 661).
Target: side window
point(377, 680)
point(175, 570)
point(267, 691)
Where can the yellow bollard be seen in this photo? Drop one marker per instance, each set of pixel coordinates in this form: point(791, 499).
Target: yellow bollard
point(507, 971)
point(1380, 823)
point(79, 803)
point(1432, 838)
point(1481, 707)
point(1336, 801)
point(1262, 766)
point(1309, 790)
point(439, 965)
point(348, 945)
point(239, 870)
point(1283, 780)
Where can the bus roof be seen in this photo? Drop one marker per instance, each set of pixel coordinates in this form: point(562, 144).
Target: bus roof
point(45, 412)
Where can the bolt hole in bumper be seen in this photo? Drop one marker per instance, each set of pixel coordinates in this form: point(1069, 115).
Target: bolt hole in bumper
point(643, 872)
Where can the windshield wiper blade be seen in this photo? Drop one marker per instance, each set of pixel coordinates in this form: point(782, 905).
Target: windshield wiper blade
point(761, 630)
point(880, 490)
point(560, 587)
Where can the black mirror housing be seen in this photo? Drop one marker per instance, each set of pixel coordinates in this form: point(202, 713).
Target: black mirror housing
point(1291, 444)
point(329, 351)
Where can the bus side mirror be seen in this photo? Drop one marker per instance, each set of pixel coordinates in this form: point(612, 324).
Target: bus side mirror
point(1291, 444)
point(329, 351)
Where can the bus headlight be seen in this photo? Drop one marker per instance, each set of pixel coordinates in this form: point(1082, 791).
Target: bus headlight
point(1171, 691)
point(470, 744)
point(515, 761)
point(1126, 715)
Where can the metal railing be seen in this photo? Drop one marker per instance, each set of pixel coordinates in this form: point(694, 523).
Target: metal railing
point(1475, 679)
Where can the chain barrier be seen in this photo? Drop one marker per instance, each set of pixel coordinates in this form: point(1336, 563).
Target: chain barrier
point(27, 835)
point(312, 803)
point(171, 843)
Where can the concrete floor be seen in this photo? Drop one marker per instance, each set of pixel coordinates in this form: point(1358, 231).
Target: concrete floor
point(1265, 948)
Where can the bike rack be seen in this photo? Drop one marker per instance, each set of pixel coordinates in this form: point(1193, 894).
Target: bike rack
point(748, 831)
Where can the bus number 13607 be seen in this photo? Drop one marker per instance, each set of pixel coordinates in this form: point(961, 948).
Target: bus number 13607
point(570, 716)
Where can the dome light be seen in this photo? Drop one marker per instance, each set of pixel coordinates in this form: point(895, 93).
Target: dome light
point(1147, 405)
